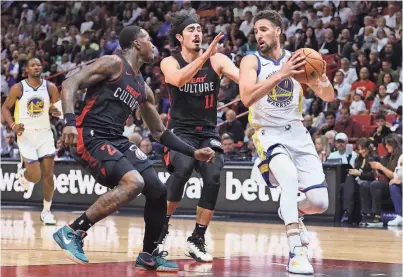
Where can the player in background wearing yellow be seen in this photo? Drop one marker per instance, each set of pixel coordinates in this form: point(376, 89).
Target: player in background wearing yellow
point(284, 145)
point(33, 98)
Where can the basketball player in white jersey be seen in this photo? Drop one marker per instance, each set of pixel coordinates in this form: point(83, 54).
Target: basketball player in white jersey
point(284, 145)
point(32, 98)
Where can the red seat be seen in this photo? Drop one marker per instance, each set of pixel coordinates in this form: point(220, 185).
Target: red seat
point(382, 152)
point(368, 130)
point(390, 117)
point(363, 119)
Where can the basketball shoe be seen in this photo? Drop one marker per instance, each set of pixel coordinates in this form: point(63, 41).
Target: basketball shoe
point(196, 248)
point(298, 262)
point(48, 218)
point(162, 239)
point(155, 261)
point(72, 243)
point(303, 232)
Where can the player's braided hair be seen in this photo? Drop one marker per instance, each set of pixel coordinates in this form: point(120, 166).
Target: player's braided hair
point(273, 16)
point(177, 20)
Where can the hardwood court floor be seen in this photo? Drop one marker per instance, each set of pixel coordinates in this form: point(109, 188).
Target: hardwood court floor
point(241, 249)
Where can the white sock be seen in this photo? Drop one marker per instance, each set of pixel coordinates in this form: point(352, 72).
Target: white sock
point(294, 239)
point(46, 205)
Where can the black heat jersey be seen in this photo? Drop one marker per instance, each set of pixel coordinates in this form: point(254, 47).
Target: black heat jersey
point(194, 106)
point(109, 104)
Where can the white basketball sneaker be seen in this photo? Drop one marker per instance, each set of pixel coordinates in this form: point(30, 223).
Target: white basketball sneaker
point(48, 218)
point(298, 262)
point(396, 222)
point(21, 177)
point(303, 232)
point(196, 249)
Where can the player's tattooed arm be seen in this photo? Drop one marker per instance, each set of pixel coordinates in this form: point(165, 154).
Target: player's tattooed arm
point(153, 120)
point(14, 94)
point(106, 68)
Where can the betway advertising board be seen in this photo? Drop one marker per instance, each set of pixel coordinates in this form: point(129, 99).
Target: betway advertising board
point(242, 189)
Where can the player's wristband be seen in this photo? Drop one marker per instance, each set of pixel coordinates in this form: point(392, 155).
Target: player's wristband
point(70, 119)
point(173, 142)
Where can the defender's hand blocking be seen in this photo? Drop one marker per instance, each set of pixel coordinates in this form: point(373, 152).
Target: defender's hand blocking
point(205, 154)
point(18, 129)
point(69, 136)
point(294, 66)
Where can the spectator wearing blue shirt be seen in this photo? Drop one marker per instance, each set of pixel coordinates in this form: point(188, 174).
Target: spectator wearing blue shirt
point(112, 44)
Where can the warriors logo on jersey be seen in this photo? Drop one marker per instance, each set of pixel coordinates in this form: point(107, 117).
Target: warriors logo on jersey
point(35, 106)
point(282, 94)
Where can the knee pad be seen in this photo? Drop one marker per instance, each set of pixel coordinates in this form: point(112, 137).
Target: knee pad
point(211, 187)
point(176, 182)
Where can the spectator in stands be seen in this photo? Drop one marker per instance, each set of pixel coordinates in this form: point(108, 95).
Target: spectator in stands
point(347, 157)
point(61, 152)
point(359, 179)
point(352, 26)
point(395, 188)
point(129, 127)
point(309, 39)
point(343, 88)
point(146, 148)
point(367, 86)
point(320, 32)
point(385, 169)
point(358, 105)
point(329, 46)
point(322, 147)
point(112, 44)
point(391, 54)
point(330, 135)
point(378, 104)
point(135, 138)
point(11, 149)
point(232, 126)
point(247, 25)
point(361, 62)
point(391, 17)
point(228, 90)
point(366, 41)
point(350, 74)
point(230, 154)
point(374, 64)
point(347, 125)
point(387, 69)
point(315, 110)
point(397, 122)
point(308, 124)
point(381, 131)
point(328, 126)
point(387, 79)
point(393, 98)
point(345, 43)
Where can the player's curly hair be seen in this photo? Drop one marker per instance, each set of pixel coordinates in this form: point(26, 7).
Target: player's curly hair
point(177, 19)
point(273, 16)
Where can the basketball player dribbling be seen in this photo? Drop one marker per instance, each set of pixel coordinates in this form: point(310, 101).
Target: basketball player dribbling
point(193, 79)
point(284, 145)
point(33, 98)
point(115, 88)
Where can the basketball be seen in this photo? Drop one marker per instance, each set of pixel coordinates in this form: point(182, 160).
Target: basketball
point(313, 66)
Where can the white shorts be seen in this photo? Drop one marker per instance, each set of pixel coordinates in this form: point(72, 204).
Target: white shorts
point(36, 144)
point(295, 141)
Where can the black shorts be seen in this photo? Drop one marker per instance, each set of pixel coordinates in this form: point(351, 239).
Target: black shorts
point(197, 140)
point(108, 158)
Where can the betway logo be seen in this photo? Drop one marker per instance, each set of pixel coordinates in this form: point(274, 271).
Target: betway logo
point(249, 189)
point(74, 183)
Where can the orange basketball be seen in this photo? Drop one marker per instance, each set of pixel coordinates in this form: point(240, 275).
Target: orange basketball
point(313, 66)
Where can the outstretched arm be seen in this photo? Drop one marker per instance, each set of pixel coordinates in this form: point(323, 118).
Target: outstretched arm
point(165, 136)
point(103, 69)
point(227, 67)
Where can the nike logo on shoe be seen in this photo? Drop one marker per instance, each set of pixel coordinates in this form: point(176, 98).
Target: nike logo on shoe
point(66, 241)
point(152, 263)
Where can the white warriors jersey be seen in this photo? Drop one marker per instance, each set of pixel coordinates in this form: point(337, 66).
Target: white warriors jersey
point(32, 108)
point(283, 104)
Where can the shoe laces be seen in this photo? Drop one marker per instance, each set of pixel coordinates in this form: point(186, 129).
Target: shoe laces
point(159, 257)
point(199, 242)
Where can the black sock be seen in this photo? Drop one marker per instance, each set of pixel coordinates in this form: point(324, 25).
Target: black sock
point(200, 229)
point(167, 218)
point(82, 223)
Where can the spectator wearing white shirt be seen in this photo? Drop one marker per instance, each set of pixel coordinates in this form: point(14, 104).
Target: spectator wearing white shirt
point(343, 88)
point(221, 26)
point(187, 7)
point(136, 12)
point(347, 157)
point(393, 98)
point(129, 127)
point(358, 105)
point(27, 13)
point(238, 11)
point(350, 74)
point(343, 11)
point(65, 65)
point(87, 25)
point(250, 8)
point(368, 22)
point(391, 17)
point(327, 17)
point(247, 25)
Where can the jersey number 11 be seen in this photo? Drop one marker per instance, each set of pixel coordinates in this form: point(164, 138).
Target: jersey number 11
point(209, 101)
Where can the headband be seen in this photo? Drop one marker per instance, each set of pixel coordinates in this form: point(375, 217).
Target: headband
point(184, 24)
